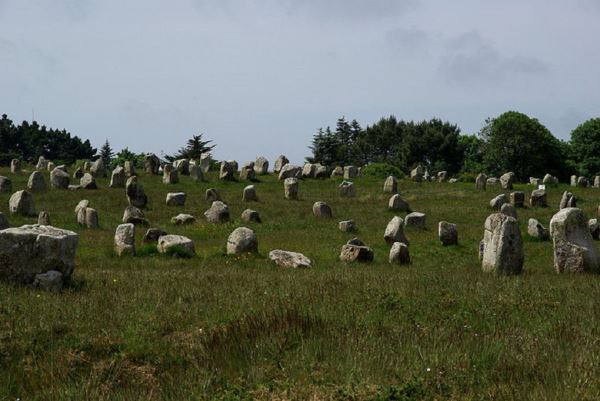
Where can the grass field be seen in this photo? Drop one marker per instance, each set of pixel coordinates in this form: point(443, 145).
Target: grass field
point(218, 327)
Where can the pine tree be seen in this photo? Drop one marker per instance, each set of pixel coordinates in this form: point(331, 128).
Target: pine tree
point(106, 153)
point(194, 148)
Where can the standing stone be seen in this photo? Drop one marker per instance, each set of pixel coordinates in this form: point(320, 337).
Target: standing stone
point(51, 166)
point(308, 171)
point(574, 248)
point(509, 210)
point(182, 166)
point(517, 198)
point(151, 164)
point(167, 243)
point(261, 166)
point(549, 179)
point(247, 172)
point(350, 172)
point(88, 217)
point(196, 173)
point(356, 253)
point(30, 250)
point(4, 224)
point(5, 184)
point(535, 181)
point(88, 181)
point(135, 193)
point(98, 169)
point(394, 231)
point(134, 215)
point(322, 209)
point(573, 180)
point(129, 168)
point(492, 181)
point(415, 219)
point(390, 185)
point(227, 171)
point(538, 198)
point(212, 195)
point(118, 178)
point(498, 201)
point(289, 259)
point(205, 160)
point(399, 254)
point(242, 240)
point(59, 179)
point(597, 181)
point(290, 170)
point(251, 216)
point(347, 226)
point(42, 164)
point(426, 176)
point(44, 218)
point(417, 173)
point(567, 200)
point(396, 203)
point(502, 245)
point(15, 166)
point(442, 176)
point(125, 239)
point(21, 202)
point(321, 172)
point(170, 175)
point(480, 182)
point(36, 182)
point(152, 235)
point(537, 230)
point(249, 194)
point(217, 213)
point(338, 171)
point(279, 163)
point(347, 189)
point(290, 188)
point(448, 233)
point(78, 173)
point(176, 199)
point(594, 227)
point(582, 182)
point(82, 203)
point(507, 180)
point(86, 166)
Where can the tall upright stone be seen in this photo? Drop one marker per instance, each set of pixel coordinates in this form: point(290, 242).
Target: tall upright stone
point(135, 193)
point(279, 163)
point(98, 169)
point(507, 180)
point(574, 248)
point(151, 164)
point(21, 202)
point(261, 166)
point(36, 182)
point(125, 239)
point(59, 179)
point(290, 188)
point(118, 178)
point(502, 245)
point(15, 166)
point(5, 184)
point(170, 174)
point(480, 182)
point(390, 185)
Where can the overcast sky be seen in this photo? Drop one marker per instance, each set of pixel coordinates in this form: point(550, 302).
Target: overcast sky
point(259, 77)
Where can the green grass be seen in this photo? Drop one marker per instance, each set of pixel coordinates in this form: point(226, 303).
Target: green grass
point(155, 327)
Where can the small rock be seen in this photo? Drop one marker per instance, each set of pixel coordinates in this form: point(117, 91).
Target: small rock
point(322, 209)
point(399, 254)
point(242, 240)
point(250, 215)
point(347, 226)
point(183, 219)
point(289, 259)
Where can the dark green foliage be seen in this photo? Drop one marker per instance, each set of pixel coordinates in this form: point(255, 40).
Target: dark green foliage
point(193, 150)
point(381, 170)
point(472, 153)
point(585, 143)
point(106, 154)
point(127, 155)
point(28, 141)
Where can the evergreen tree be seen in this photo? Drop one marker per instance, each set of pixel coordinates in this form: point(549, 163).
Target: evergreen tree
point(194, 148)
point(106, 153)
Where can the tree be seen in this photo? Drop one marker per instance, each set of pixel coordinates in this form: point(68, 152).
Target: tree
point(516, 142)
point(106, 153)
point(585, 147)
point(472, 153)
point(194, 148)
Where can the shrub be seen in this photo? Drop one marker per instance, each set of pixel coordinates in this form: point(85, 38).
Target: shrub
point(466, 177)
point(382, 170)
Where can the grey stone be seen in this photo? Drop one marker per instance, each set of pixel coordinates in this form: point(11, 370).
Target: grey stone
point(135, 193)
point(88, 217)
point(151, 164)
point(350, 172)
point(176, 199)
point(448, 233)
point(498, 201)
point(509, 210)
point(42, 163)
point(322, 210)
point(290, 188)
point(574, 248)
point(399, 254)
point(355, 241)
point(507, 180)
point(78, 173)
point(217, 213)
point(582, 182)
point(183, 219)
point(567, 200)
point(152, 235)
point(242, 240)
point(309, 170)
point(51, 281)
point(5, 184)
point(261, 166)
point(227, 171)
point(170, 174)
point(249, 194)
point(21, 202)
point(356, 253)
point(247, 172)
point(88, 181)
point(125, 239)
point(417, 173)
point(289, 171)
point(98, 169)
point(44, 218)
point(442, 176)
point(549, 179)
point(538, 198)
point(118, 178)
point(481, 182)
point(81, 204)
point(338, 171)
point(134, 215)
point(182, 166)
point(59, 179)
point(536, 230)
point(517, 198)
point(205, 160)
point(396, 203)
point(347, 226)
point(15, 166)
point(394, 231)
point(503, 246)
point(289, 259)
point(196, 173)
point(251, 216)
point(415, 219)
point(169, 242)
point(390, 185)
point(212, 195)
point(36, 182)
point(594, 227)
point(347, 189)
point(129, 168)
point(279, 163)
point(321, 172)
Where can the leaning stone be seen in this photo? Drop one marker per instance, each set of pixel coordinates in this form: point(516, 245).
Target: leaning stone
point(36, 182)
point(394, 231)
point(356, 253)
point(390, 185)
point(347, 189)
point(44, 218)
point(289, 259)
point(538, 198)
point(507, 180)
point(503, 247)
point(176, 199)
point(574, 248)
point(5, 184)
point(338, 171)
point(415, 219)
point(594, 227)
point(279, 163)
point(350, 172)
point(88, 181)
point(217, 213)
point(212, 195)
point(322, 209)
point(51, 281)
point(242, 240)
point(509, 210)
point(290, 188)
point(517, 198)
point(134, 215)
point(399, 254)
point(355, 241)
point(448, 233)
point(249, 194)
point(398, 204)
point(135, 193)
point(347, 226)
point(118, 178)
point(498, 201)
point(536, 230)
point(21, 202)
point(251, 216)
point(152, 235)
point(442, 176)
point(567, 200)
point(125, 239)
point(321, 172)
point(175, 242)
point(59, 179)
point(261, 166)
point(289, 171)
point(183, 219)
point(30, 250)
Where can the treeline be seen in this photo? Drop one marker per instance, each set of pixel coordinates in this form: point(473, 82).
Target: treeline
point(512, 141)
point(28, 141)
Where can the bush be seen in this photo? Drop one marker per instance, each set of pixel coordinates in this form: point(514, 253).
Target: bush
point(382, 170)
point(466, 177)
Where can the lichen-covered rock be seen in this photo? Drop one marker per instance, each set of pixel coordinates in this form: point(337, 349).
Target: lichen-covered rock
point(251, 216)
point(567, 200)
point(261, 165)
point(182, 166)
point(170, 174)
point(21, 202)
point(356, 253)
point(172, 242)
point(290, 171)
point(129, 168)
point(394, 231)
point(36, 182)
point(321, 172)
point(322, 209)
point(399, 254)
point(308, 170)
point(536, 230)
point(347, 189)
point(509, 210)
point(498, 201)
point(279, 163)
point(151, 164)
point(396, 203)
point(390, 185)
point(574, 248)
point(88, 181)
point(538, 198)
point(247, 172)
point(502, 245)
point(289, 259)
point(59, 179)
point(347, 226)
point(507, 180)
point(118, 178)
point(135, 193)
point(196, 173)
point(350, 172)
point(249, 194)
point(88, 217)
point(290, 188)
point(176, 199)
point(125, 239)
point(217, 213)
point(242, 240)
point(183, 219)
point(338, 171)
point(448, 233)
point(227, 171)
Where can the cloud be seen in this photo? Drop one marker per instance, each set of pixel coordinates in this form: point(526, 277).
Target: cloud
point(469, 59)
point(410, 40)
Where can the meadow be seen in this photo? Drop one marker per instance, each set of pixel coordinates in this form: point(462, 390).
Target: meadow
point(154, 327)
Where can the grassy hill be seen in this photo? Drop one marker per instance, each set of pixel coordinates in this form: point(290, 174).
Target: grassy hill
point(153, 327)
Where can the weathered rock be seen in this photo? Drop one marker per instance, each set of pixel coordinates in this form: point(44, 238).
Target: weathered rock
point(170, 174)
point(549, 179)
point(196, 173)
point(242, 240)
point(261, 166)
point(509, 210)
point(290, 188)
point(309, 170)
point(573, 180)
point(36, 182)
point(183, 219)
point(535, 181)
point(152, 235)
point(492, 181)
point(51, 166)
point(347, 189)
point(82, 203)
point(502, 245)
point(21, 202)
point(249, 194)
point(78, 173)
point(582, 182)
point(72, 187)
point(507, 180)
point(176, 199)
point(289, 259)
point(356, 253)
point(15, 166)
point(538, 198)
point(338, 171)
point(350, 172)
point(597, 181)
point(217, 213)
point(88, 217)
point(5, 184)
point(135, 193)
point(125, 239)
point(390, 185)
point(212, 195)
point(98, 169)
point(322, 209)
point(442, 176)
point(321, 172)
point(279, 163)
point(205, 160)
point(498, 201)
point(251, 216)
point(182, 166)
point(517, 198)
point(59, 179)
point(480, 182)
point(44, 218)
point(415, 219)
point(537, 230)
point(151, 164)
point(42, 163)
point(88, 181)
point(574, 248)
point(129, 168)
point(289, 171)
point(172, 242)
point(567, 200)
point(227, 171)
point(118, 178)
point(426, 176)
point(398, 204)
point(399, 254)
point(448, 233)
point(453, 180)
point(394, 231)
point(247, 172)
point(86, 166)
point(33, 249)
point(355, 241)
point(594, 227)
point(4, 224)
point(347, 226)
point(417, 173)
point(51, 281)
point(134, 215)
